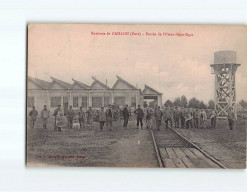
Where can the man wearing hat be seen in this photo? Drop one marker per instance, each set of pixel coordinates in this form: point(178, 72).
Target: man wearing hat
point(70, 116)
point(109, 117)
point(102, 118)
point(125, 116)
point(230, 118)
point(158, 116)
point(55, 114)
point(82, 118)
point(45, 114)
point(213, 119)
point(176, 117)
point(139, 116)
point(90, 115)
point(33, 114)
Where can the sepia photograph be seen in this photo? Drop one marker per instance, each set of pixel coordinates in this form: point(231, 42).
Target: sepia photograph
point(136, 95)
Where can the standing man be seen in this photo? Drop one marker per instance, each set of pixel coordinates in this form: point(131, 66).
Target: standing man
point(33, 114)
point(168, 116)
point(213, 119)
point(158, 117)
point(203, 118)
point(188, 119)
point(196, 118)
point(125, 116)
point(230, 118)
point(176, 117)
point(139, 116)
point(102, 118)
point(89, 113)
point(109, 116)
point(182, 117)
point(45, 114)
point(148, 118)
point(55, 114)
point(82, 118)
point(70, 116)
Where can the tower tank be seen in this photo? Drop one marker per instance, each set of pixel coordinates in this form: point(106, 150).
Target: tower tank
point(224, 68)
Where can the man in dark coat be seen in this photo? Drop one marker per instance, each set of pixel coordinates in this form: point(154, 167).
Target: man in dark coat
point(139, 116)
point(125, 116)
point(33, 114)
point(109, 113)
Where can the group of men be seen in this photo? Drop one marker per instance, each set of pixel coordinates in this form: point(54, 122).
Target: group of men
point(180, 116)
point(187, 117)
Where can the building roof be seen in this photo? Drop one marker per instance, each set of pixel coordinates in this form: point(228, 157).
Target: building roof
point(124, 81)
point(100, 83)
point(82, 85)
point(62, 83)
point(151, 89)
point(41, 83)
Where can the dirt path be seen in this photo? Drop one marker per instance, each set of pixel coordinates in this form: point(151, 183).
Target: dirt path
point(136, 151)
point(118, 148)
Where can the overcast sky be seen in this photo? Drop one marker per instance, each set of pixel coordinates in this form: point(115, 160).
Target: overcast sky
point(172, 65)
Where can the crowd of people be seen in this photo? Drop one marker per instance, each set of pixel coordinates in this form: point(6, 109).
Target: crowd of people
point(179, 117)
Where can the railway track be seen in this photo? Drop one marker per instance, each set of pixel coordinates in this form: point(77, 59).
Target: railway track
point(175, 151)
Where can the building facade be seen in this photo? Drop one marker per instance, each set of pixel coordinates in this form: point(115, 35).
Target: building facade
point(57, 92)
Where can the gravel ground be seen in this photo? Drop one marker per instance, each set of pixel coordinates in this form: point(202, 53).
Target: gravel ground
point(228, 147)
point(91, 148)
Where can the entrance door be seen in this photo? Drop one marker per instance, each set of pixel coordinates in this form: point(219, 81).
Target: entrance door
point(150, 101)
point(65, 104)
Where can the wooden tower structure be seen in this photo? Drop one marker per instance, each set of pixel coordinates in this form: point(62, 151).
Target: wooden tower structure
point(224, 68)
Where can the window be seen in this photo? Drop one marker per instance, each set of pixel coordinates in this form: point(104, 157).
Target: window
point(30, 101)
point(133, 101)
point(96, 102)
point(106, 101)
point(55, 101)
point(120, 101)
point(75, 102)
point(84, 102)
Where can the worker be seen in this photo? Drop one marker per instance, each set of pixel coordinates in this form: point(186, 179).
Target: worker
point(82, 118)
point(125, 113)
point(56, 115)
point(188, 118)
point(176, 114)
point(139, 116)
point(203, 117)
point(213, 119)
point(33, 115)
point(109, 117)
point(168, 116)
point(182, 117)
point(230, 117)
point(158, 117)
point(45, 114)
point(90, 115)
point(196, 118)
point(148, 118)
point(102, 118)
point(70, 116)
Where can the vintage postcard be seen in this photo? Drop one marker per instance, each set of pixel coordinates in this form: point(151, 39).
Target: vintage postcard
point(119, 95)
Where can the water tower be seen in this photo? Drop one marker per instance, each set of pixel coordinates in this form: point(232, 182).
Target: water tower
point(224, 68)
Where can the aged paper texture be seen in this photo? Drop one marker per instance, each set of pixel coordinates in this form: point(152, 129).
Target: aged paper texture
point(119, 95)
